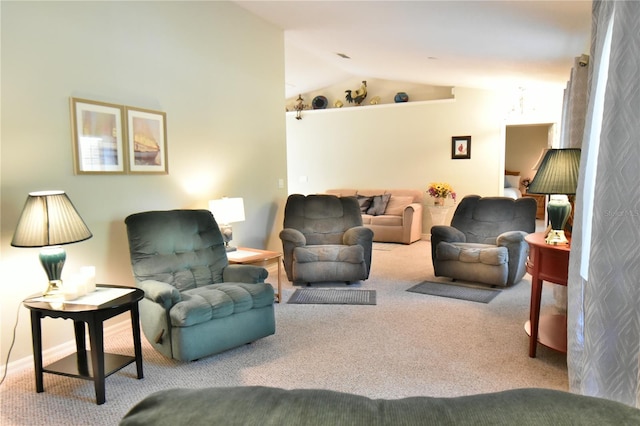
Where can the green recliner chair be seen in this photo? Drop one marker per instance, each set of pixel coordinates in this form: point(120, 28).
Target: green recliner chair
point(485, 242)
point(324, 240)
point(195, 303)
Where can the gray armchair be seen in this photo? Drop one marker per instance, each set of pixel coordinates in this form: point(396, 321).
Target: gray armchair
point(323, 239)
point(485, 242)
point(195, 303)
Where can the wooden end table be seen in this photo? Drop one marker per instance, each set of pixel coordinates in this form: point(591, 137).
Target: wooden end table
point(77, 365)
point(252, 256)
point(546, 263)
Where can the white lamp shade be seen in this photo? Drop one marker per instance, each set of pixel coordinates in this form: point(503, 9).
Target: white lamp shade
point(49, 219)
point(227, 210)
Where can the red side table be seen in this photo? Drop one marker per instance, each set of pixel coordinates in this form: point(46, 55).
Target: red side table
point(546, 263)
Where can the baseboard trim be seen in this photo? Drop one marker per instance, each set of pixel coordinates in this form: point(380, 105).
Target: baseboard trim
point(61, 350)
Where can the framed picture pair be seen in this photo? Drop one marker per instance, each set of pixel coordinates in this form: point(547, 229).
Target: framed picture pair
point(117, 139)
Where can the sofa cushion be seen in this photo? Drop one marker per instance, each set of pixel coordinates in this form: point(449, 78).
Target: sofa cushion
point(472, 253)
point(214, 301)
point(329, 253)
point(366, 219)
point(386, 220)
point(397, 204)
point(379, 204)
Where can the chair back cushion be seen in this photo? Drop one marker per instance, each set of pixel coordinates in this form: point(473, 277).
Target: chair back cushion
point(183, 248)
point(482, 219)
point(323, 219)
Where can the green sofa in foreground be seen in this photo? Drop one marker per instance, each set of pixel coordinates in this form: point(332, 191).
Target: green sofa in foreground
point(256, 405)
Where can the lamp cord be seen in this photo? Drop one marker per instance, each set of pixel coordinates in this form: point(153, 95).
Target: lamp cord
point(13, 340)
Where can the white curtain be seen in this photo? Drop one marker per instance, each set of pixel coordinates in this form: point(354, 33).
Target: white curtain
point(604, 272)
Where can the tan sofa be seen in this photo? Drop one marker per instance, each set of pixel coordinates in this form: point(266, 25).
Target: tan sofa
point(401, 221)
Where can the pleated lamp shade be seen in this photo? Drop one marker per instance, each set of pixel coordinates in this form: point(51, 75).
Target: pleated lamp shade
point(49, 219)
point(558, 173)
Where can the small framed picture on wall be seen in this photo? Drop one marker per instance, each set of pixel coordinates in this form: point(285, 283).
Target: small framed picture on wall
point(147, 137)
point(98, 137)
point(460, 147)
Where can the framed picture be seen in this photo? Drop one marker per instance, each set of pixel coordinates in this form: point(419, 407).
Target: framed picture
point(460, 147)
point(97, 136)
point(147, 137)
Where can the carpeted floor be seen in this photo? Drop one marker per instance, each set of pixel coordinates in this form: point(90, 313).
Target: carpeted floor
point(408, 344)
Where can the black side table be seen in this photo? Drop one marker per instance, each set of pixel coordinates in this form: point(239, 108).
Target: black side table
point(77, 365)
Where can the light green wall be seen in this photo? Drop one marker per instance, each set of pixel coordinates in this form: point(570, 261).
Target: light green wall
point(218, 73)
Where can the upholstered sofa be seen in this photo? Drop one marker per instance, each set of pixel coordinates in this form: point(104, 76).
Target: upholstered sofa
point(255, 405)
point(396, 218)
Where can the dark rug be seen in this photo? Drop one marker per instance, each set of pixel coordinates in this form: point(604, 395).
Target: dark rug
point(329, 296)
point(455, 291)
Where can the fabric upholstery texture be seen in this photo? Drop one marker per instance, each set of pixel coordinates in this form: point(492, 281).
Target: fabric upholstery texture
point(399, 222)
point(256, 405)
point(485, 242)
point(323, 239)
point(195, 303)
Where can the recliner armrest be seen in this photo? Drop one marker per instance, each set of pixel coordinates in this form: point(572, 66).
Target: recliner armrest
point(358, 235)
point(159, 292)
point(448, 234)
point(510, 237)
point(250, 274)
point(293, 236)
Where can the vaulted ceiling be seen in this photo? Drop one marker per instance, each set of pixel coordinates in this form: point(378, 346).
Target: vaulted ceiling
point(479, 44)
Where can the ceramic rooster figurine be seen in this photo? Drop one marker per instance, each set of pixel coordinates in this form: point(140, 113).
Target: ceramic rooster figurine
point(359, 96)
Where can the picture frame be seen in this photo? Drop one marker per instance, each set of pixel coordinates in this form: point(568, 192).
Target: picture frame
point(147, 141)
point(460, 147)
point(97, 130)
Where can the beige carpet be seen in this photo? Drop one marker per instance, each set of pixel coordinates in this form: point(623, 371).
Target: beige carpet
point(408, 344)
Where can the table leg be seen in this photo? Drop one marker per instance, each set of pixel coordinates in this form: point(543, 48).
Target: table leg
point(279, 261)
point(36, 339)
point(81, 348)
point(137, 345)
point(96, 339)
point(534, 316)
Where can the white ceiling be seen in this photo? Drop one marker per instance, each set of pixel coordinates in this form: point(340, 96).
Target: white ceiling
point(479, 44)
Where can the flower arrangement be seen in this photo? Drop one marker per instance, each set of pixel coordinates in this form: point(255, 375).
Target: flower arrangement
point(526, 182)
point(441, 190)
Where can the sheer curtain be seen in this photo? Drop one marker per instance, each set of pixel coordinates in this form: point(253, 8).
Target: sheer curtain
point(604, 272)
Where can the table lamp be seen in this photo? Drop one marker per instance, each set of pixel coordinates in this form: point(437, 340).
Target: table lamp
point(50, 220)
point(227, 211)
point(557, 176)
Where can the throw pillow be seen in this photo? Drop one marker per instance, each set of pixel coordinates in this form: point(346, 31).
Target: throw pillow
point(397, 204)
point(514, 181)
point(506, 183)
point(365, 203)
point(379, 204)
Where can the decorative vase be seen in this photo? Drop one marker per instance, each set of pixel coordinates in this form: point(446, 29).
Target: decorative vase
point(439, 201)
point(401, 97)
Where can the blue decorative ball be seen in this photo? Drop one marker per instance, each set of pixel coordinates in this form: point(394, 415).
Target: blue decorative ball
point(401, 97)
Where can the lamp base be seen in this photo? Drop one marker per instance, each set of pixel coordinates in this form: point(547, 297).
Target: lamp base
point(52, 259)
point(54, 289)
point(556, 237)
